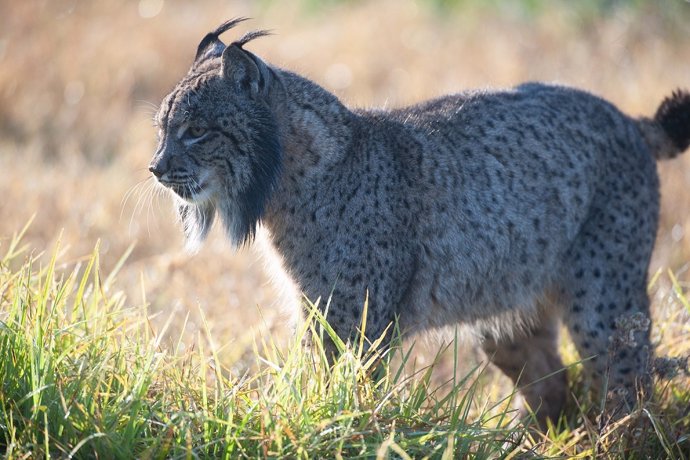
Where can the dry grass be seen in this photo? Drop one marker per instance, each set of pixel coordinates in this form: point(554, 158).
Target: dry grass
point(79, 81)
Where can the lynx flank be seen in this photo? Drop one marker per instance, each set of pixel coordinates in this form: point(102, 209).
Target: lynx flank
point(509, 210)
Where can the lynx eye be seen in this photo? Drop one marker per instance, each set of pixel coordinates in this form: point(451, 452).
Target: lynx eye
point(196, 131)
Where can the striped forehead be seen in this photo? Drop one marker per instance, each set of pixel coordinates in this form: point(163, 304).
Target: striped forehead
point(181, 104)
point(179, 107)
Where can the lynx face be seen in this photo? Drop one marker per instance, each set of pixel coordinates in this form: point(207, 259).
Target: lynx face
point(218, 147)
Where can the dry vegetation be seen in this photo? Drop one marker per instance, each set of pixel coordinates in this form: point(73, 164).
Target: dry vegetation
point(79, 81)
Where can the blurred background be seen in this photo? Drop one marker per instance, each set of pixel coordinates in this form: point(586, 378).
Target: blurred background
point(80, 81)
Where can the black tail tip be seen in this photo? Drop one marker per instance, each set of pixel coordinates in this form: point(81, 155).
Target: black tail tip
point(674, 116)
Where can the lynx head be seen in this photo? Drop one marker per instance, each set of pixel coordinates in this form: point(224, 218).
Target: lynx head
point(218, 144)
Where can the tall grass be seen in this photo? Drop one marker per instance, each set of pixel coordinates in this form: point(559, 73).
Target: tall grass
point(85, 376)
point(74, 160)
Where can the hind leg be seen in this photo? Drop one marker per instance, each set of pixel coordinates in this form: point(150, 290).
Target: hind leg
point(607, 312)
point(528, 358)
point(614, 341)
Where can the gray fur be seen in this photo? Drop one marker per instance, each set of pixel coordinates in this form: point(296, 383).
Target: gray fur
point(508, 210)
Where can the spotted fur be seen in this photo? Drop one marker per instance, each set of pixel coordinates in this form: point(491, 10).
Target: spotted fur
point(506, 210)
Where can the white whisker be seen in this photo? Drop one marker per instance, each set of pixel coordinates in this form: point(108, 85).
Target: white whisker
point(135, 189)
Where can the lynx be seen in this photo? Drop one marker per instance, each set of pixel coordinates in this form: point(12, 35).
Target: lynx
point(509, 210)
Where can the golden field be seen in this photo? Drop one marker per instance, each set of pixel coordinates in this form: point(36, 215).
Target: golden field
point(79, 82)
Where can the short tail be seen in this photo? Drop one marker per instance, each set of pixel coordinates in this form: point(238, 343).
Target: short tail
point(668, 133)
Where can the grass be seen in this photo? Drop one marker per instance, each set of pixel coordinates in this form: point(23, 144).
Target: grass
point(85, 375)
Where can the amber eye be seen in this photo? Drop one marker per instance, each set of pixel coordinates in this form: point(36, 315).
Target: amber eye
point(196, 131)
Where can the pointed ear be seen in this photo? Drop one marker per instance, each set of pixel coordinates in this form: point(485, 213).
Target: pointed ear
point(210, 45)
point(242, 69)
point(210, 50)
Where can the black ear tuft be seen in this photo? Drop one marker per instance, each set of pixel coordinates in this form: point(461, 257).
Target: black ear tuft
point(249, 36)
point(210, 45)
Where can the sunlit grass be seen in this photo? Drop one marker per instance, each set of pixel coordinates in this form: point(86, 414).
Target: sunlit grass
point(74, 161)
point(84, 375)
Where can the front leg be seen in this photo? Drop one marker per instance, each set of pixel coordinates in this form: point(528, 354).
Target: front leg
point(344, 309)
